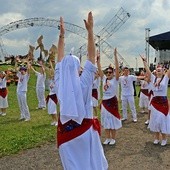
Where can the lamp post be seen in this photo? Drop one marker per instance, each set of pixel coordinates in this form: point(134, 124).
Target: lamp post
point(147, 32)
point(136, 64)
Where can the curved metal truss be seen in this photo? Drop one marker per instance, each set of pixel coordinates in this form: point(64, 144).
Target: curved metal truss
point(32, 22)
point(106, 32)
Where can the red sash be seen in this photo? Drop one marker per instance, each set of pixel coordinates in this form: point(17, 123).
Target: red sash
point(53, 97)
point(95, 93)
point(160, 103)
point(111, 105)
point(72, 129)
point(3, 92)
point(145, 92)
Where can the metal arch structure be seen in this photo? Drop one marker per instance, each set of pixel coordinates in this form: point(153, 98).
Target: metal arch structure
point(113, 25)
point(32, 22)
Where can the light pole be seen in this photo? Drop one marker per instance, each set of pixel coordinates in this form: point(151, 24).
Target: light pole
point(136, 64)
point(147, 32)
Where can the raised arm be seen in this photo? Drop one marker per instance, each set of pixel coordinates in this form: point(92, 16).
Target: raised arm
point(33, 69)
point(116, 64)
point(146, 67)
point(101, 74)
point(90, 44)
point(61, 41)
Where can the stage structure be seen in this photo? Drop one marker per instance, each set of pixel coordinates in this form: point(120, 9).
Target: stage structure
point(37, 22)
point(101, 38)
point(114, 24)
point(161, 44)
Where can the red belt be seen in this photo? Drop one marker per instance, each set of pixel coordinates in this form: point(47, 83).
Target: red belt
point(3, 92)
point(53, 97)
point(95, 93)
point(71, 129)
point(111, 105)
point(160, 103)
point(145, 92)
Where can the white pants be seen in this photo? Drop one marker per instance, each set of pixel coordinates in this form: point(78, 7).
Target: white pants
point(41, 97)
point(128, 100)
point(22, 101)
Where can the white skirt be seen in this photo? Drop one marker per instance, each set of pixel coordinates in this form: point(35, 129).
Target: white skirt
point(52, 107)
point(159, 122)
point(3, 102)
point(108, 120)
point(143, 101)
point(84, 152)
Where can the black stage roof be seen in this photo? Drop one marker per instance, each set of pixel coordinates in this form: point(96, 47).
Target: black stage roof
point(160, 41)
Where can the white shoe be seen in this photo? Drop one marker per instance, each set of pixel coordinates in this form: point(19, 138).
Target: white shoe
point(0, 113)
point(147, 122)
point(142, 111)
point(106, 142)
point(156, 141)
point(112, 142)
point(26, 120)
point(123, 119)
point(54, 123)
point(164, 142)
point(135, 120)
point(3, 114)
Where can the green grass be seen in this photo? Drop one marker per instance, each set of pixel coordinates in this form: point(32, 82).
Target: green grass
point(17, 135)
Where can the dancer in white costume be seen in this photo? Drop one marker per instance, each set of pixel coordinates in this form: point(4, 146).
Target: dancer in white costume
point(23, 74)
point(95, 93)
point(144, 95)
point(3, 93)
point(159, 118)
point(40, 86)
point(52, 98)
point(127, 93)
point(110, 116)
point(77, 133)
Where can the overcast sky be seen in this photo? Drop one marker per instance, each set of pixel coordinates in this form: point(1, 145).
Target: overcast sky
point(129, 39)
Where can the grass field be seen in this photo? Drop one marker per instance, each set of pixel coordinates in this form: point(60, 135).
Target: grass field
point(17, 135)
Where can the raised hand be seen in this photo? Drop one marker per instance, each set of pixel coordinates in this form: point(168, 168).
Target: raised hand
point(89, 22)
point(62, 29)
point(143, 58)
point(115, 51)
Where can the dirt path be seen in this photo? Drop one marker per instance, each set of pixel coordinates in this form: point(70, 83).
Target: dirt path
point(134, 150)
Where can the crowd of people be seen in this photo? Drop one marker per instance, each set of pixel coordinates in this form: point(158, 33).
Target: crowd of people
point(77, 91)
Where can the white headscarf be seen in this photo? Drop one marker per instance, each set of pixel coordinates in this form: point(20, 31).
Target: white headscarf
point(69, 92)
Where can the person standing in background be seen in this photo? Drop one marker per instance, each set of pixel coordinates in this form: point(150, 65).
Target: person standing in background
point(23, 74)
point(3, 93)
point(40, 86)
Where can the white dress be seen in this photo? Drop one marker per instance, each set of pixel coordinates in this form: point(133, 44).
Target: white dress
point(108, 120)
point(158, 121)
point(96, 85)
point(3, 100)
point(144, 100)
point(84, 152)
point(51, 105)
